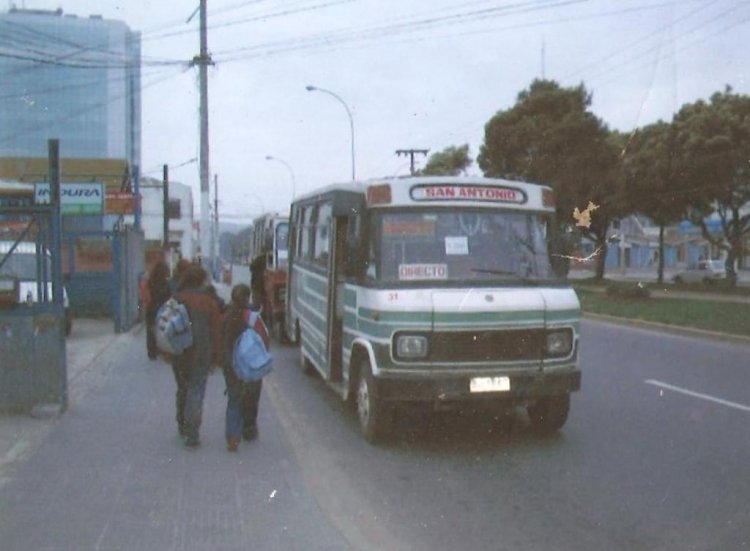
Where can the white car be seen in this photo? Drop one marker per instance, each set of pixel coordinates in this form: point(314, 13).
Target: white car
point(22, 266)
point(703, 271)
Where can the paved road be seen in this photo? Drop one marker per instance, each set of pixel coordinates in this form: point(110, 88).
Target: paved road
point(640, 465)
point(654, 457)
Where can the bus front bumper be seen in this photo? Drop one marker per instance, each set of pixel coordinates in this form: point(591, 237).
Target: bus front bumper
point(523, 387)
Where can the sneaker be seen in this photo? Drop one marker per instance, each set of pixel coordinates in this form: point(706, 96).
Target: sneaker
point(192, 443)
point(232, 444)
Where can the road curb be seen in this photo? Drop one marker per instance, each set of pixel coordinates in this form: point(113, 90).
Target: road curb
point(671, 329)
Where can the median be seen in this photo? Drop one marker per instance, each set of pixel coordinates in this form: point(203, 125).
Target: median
point(693, 311)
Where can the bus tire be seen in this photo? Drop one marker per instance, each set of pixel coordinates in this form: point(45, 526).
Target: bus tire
point(550, 413)
point(373, 414)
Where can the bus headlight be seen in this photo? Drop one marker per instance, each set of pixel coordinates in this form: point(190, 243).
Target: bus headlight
point(559, 342)
point(411, 346)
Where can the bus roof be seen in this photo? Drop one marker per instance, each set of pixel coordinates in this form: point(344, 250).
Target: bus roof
point(445, 191)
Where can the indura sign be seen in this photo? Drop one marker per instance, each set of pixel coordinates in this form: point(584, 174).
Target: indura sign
point(76, 198)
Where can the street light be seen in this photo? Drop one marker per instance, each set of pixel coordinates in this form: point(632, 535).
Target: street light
point(289, 168)
point(257, 198)
point(310, 88)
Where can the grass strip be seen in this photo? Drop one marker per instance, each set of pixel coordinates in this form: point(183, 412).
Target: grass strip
point(722, 317)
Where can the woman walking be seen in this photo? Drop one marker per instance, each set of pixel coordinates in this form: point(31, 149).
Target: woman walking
point(191, 368)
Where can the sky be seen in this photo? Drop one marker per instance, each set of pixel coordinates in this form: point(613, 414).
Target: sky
point(414, 74)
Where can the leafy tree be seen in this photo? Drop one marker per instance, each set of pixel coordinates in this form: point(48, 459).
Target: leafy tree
point(550, 137)
point(653, 185)
point(714, 143)
point(452, 161)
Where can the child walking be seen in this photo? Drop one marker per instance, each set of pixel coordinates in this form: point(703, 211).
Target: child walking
point(242, 397)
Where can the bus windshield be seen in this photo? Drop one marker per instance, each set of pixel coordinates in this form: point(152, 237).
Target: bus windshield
point(460, 245)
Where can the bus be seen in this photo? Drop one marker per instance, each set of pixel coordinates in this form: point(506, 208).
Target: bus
point(433, 291)
point(268, 268)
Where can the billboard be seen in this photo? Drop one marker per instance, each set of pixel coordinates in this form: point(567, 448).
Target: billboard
point(76, 198)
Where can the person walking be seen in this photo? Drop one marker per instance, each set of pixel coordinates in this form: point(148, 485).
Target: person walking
point(242, 397)
point(158, 293)
point(179, 269)
point(191, 368)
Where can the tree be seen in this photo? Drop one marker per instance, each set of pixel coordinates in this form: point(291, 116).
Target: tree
point(713, 140)
point(452, 161)
point(550, 137)
point(652, 184)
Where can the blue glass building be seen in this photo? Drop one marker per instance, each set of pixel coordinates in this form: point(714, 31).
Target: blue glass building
point(72, 78)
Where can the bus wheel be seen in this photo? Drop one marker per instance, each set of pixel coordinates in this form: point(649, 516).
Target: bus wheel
point(373, 414)
point(549, 413)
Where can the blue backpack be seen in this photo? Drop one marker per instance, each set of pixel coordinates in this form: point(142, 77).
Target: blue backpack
point(251, 360)
point(173, 329)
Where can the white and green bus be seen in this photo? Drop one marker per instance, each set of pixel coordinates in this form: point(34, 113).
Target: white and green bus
point(436, 291)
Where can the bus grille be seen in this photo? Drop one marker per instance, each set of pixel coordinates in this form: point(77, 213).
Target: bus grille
point(481, 346)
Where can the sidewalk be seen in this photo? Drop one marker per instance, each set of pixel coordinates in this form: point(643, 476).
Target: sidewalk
point(112, 473)
point(88, 341)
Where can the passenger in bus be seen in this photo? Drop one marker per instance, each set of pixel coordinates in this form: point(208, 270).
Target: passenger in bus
point(242, 397)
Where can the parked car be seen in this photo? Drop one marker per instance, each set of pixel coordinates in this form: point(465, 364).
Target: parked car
point(703, 271)
point(22, 265)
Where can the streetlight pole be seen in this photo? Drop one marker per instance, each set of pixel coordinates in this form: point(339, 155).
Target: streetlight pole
point(311, 88)
point(291, 172)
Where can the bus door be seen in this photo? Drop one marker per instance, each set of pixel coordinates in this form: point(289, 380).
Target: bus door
point(336, 302)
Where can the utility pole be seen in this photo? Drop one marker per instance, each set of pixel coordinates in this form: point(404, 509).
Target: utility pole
point(165, 202)
point(215, 252)
point(411, 153)
point(203, 60)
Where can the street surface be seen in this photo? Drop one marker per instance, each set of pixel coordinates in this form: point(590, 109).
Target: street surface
point(654, 456)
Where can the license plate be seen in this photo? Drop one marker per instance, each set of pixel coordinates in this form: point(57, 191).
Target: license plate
point(489, 384)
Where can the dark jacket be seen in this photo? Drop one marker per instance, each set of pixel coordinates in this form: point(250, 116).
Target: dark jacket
point(206, 324)
point(158, 293)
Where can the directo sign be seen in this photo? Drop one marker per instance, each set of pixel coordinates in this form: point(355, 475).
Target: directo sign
point(486, 194)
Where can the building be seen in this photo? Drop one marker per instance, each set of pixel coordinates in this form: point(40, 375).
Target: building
point(72, 78)
point(78, 80)
point(181, 233)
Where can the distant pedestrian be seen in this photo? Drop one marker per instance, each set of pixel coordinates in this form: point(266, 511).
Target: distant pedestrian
point(158, 293)
point(182, 265)
point(192, 367)
point(257, 278)
point(242, 397)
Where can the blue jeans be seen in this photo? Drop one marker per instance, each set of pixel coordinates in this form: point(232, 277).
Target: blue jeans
point(242, 406)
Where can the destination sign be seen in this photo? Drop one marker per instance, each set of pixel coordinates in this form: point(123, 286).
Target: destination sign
point(478, 193)
point(422, 271)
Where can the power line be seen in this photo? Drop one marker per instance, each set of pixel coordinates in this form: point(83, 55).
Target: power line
point(699, 27)
point(261, 17)
point(384, 30)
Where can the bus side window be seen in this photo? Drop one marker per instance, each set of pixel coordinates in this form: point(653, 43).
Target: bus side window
point(308, 227)
point(323, 235)
point(357, 261)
